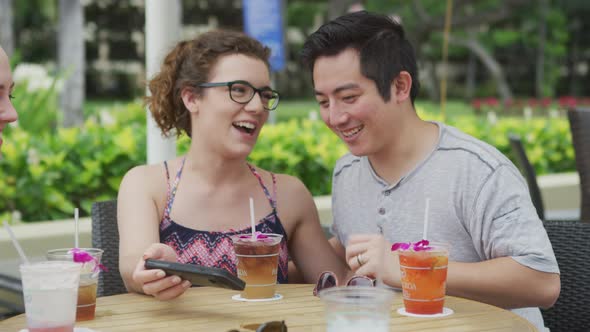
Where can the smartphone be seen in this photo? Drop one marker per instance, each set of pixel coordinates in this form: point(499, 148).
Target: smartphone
point(198, 275)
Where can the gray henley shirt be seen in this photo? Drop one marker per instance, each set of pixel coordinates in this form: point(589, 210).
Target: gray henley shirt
point(479, 203)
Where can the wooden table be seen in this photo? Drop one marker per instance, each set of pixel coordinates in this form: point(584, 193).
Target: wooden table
point(212, 309)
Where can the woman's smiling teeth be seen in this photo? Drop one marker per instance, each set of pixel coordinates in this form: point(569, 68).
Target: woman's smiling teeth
point(247, 127)
point(352, 132)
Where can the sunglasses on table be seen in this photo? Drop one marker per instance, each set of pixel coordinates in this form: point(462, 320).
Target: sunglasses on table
point(328, 280)
point(272, 326)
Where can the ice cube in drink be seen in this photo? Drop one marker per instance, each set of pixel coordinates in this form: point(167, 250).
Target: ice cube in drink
point(50, 290)
point(58, 321)
point(357, 308)
point(340, 323)
point(65, 328)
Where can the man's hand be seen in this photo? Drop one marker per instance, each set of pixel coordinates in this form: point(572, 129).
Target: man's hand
point(370, 255)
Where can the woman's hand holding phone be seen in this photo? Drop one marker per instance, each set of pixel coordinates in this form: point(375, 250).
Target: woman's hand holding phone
point(155, 282)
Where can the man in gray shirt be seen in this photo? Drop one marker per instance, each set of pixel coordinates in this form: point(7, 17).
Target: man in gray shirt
point(365, 81)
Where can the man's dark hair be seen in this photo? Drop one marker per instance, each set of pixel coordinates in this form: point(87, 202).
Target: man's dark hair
point(384, 51)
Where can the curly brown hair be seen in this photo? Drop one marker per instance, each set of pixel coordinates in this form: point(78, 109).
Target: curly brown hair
point(188, 65)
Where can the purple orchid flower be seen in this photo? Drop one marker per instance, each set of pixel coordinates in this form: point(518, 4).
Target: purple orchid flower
point(401, 245)
point(257, 235)
point(421, 245)
point(82, 256)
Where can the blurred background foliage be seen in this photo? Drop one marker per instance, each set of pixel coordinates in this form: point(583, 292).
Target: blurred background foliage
point(48, 172)
point(505, 55)
point(501, 48)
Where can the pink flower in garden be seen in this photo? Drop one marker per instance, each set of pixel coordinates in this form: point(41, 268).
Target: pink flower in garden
point(492, 101)
point(567, 101)
point(476, 104)
point(533, 102)
point(545, 102)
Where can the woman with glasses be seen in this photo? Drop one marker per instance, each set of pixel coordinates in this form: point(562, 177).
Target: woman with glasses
point(216, 89)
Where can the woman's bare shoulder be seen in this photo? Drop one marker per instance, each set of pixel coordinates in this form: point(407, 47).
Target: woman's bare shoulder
point(151, 178)
point(285, 182)
point(143, 175)
point(290, 183)
point(292, 190)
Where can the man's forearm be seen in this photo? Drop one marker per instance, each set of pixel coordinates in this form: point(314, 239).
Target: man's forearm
point(503, 282)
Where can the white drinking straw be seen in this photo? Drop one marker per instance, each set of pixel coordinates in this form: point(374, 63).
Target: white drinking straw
point(21, 253)
point(426, 219)
point(252, 218)
point(76, 228)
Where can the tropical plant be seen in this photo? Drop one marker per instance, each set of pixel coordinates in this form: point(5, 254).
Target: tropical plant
point(46, 174)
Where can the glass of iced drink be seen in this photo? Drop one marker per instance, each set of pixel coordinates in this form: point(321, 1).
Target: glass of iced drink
point(423, 267)
point(88, 279)
point(357, 308)
point(50, 290)
point(258, 259)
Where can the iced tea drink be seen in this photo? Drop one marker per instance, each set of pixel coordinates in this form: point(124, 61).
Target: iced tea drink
point(258, 260)
point(424, 278)
point(86, 304)
point(86, 298)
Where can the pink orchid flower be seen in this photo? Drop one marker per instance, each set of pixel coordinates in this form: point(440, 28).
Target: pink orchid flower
point(82, 256)
point(421, 245)
point(257, 235)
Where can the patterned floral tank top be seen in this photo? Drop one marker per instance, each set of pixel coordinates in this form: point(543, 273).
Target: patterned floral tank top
point(214, 249)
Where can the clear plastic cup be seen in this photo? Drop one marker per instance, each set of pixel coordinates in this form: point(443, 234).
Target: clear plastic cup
point(258, 261)
point(86, 305)
point(357, 308)
point(50, 291)
point(424, 279)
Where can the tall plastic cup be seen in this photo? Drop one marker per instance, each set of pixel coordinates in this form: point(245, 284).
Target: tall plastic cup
point(50, 290)
point(424, 279)
point(258, 261)
point(357, 308)
point(86, 305)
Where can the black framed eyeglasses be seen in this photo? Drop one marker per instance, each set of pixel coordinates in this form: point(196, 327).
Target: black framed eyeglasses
point(242, 92)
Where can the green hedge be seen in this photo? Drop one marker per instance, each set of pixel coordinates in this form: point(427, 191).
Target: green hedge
point(547, 141)
point(46, 174)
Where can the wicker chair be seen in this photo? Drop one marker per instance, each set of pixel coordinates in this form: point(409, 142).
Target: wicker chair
point(523, 163)
point(105, 235)
point(570, 240)
point(11, 297)
point(579, 119)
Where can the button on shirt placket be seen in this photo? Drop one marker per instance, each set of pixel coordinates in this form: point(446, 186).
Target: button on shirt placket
point(381, 210)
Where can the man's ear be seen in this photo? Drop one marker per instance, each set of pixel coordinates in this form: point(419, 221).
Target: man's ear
point(401, 86)
point(190, 99)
